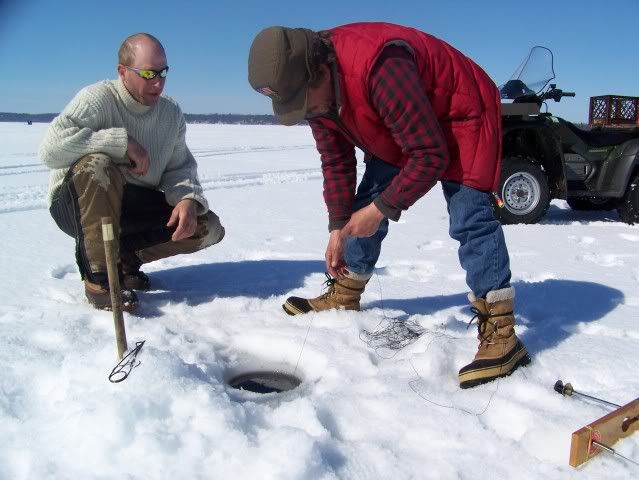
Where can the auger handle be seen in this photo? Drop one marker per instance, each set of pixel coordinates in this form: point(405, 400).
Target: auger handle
point(114, 285)
point(567, 390)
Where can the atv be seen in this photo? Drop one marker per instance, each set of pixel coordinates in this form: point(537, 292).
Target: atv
point(546, 157)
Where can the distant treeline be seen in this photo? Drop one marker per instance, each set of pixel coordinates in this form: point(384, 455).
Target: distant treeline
point(228, 118)
point(26, 117)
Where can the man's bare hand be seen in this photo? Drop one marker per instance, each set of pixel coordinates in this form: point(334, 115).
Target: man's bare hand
point(138, 156)
point(184, 215)
point(335, 254)
point(364, 222)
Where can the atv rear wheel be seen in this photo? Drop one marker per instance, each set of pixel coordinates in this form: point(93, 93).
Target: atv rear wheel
point(629, 205)
point(592, 203)
point(524, 189)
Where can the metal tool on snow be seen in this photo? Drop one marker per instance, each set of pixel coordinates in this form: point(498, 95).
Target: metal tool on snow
point(128, 363)
point(568, 391)
point(613, 452)
point(599, 435)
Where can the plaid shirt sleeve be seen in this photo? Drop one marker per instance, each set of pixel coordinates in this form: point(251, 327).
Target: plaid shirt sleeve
point(398, 94)
point(339, 167)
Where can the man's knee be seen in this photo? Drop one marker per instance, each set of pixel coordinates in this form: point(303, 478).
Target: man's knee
point(213, 231)
point(100, 170)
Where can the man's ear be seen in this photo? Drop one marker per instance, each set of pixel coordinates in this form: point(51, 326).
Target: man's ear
point(320, 74)
point(121, 71)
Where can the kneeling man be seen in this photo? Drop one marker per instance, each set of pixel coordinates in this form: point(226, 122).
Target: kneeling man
point(118, 150)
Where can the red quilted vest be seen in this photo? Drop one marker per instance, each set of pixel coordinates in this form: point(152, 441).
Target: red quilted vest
point(464, 99)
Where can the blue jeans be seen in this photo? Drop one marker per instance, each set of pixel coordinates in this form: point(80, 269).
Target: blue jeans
point(482, 248)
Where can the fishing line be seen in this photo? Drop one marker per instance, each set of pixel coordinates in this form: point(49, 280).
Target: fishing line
point(412, 386)
point(397, 334)
point(310, 323)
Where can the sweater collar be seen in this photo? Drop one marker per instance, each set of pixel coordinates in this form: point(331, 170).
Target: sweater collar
point(129, 102)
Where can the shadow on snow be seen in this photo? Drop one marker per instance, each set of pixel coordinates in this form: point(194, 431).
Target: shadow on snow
point(563, 216)
point(550, 309)
point(197, 284)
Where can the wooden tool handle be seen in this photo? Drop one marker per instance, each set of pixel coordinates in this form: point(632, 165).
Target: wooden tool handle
point(114, 285)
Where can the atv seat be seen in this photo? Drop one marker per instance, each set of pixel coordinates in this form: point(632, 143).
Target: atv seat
point(615, 136)
point(602, 137)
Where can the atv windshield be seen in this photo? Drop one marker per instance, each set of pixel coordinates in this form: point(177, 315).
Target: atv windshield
point(531, 77)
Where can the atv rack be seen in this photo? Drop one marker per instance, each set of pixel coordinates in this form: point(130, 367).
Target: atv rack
point(614, 111)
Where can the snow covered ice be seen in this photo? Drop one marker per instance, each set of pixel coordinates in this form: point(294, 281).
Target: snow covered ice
point(362, 410)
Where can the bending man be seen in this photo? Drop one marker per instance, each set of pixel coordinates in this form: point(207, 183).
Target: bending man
point(422, 112)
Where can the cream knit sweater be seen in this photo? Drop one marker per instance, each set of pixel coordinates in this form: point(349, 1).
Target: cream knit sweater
point(98, 120)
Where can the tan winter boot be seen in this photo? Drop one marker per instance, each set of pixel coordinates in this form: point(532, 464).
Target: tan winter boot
point(341, 294)
point(500, 351)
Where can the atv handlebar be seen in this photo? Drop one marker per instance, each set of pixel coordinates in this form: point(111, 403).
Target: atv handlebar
point(555, 93)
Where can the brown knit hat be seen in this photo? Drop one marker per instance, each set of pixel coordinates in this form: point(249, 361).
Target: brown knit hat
point(278, 67)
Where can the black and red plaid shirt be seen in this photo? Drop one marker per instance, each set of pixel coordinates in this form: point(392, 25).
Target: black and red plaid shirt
point(398, 94)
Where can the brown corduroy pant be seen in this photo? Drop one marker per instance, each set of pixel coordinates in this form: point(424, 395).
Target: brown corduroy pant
point(94, 188)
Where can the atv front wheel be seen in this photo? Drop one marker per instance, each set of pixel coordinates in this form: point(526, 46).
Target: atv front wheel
point(592, 203)
point(524, 190)
point(629, 205)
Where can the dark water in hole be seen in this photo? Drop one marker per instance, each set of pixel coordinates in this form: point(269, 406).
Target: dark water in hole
point(265, 382)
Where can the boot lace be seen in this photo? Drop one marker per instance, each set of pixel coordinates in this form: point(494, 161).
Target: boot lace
point(329, 285)
point(483, 324)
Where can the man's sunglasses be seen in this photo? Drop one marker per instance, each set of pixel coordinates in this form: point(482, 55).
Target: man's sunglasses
point(148, 74)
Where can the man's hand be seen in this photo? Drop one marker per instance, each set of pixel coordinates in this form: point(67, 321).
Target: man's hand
point(335, 254)
point(138, 156)
point(184, 214)
point(364, 222)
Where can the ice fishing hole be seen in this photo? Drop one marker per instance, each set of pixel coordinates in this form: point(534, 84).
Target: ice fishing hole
point(264, 381)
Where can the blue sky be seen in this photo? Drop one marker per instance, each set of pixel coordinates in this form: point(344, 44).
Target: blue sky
point(49, 49)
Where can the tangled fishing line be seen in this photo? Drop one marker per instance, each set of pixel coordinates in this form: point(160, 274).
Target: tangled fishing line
point(394, 334)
